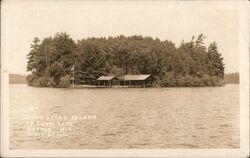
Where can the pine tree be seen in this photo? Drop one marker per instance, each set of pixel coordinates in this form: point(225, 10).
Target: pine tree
point(32, 56)
point(214, 61)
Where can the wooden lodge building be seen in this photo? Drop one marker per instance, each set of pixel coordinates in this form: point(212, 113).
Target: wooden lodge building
point(125, 81)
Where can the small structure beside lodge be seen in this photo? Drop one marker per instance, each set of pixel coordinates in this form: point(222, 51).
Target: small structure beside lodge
point(126, 81)
point(107, 81)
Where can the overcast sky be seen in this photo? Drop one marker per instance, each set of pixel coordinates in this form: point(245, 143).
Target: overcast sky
point(24, 20)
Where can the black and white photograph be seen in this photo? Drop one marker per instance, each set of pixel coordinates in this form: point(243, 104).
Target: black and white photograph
point(124, 78)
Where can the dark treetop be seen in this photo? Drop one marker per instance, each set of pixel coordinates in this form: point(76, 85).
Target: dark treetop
point(53, 60)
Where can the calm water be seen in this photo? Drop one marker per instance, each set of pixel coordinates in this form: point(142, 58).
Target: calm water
point(127, 118)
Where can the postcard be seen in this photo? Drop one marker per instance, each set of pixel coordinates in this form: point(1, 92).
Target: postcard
point(124, 78)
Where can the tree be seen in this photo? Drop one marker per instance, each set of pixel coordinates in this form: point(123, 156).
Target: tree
point(51, 59)
point(214, 61)
point(32, 60)
point(92, 63)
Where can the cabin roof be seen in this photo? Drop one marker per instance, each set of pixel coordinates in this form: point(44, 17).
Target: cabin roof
point(105, 78)
point(136, 77)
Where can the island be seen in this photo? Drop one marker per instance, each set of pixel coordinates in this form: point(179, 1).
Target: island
point(59, 61)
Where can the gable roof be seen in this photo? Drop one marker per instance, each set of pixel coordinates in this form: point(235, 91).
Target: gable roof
point(106, 78)
point(136, 77)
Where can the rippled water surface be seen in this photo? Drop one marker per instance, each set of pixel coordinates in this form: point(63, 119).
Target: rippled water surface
point(129, 117)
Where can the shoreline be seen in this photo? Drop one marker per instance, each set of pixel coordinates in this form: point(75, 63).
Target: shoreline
point(121, 87)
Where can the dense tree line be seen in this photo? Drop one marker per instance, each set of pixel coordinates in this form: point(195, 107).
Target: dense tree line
point(52, 60)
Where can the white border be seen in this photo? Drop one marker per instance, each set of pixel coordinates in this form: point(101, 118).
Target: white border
point(243, 11)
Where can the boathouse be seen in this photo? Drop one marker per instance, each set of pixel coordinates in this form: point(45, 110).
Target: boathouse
point(107, 81)
point(136, 80)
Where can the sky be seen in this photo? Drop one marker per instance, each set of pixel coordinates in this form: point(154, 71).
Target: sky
point(24, 20)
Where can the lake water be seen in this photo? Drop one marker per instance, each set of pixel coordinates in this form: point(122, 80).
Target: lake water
point(123, 118)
